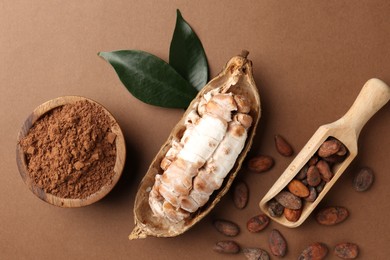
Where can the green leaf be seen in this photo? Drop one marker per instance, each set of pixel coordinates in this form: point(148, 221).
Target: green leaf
point(150, 79)
point(186, 54)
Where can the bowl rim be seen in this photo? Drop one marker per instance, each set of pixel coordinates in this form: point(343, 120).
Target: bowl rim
point(39, 112)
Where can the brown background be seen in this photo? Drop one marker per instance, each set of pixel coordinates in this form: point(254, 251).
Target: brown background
point(310, 58)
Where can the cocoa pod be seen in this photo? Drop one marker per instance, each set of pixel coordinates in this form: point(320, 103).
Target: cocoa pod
point(255, 254)
point(292, 215)
point(298, 188)
point(238, 75)
point(331, 215)
point(275, 209)
point(227, 247)
point(313, 176)
point(282, 146)
point(240, 195)
point(346, 250)
point(260, 163)
point(315, 251)
point(257, 223)
point(288, 200)
point(226, 227)
point(363, 180)
point(277, 243)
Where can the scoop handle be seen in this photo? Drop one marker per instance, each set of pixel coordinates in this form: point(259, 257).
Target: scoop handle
point(373, 96)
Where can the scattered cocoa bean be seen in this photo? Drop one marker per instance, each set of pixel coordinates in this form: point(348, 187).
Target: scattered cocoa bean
point(312, 195)
point(255, 254)
point(298, 188)
point(277, 243)
point(260, 163)
point(324, 169)
point(275, 209)
point(315, 251)
point(226, 227)
point(288, 200)
point(227, 247)
point(329, 147)
point(292, 215)
point(363, 180)
point(240, 195)
point(282, 146)
point(346, 250)
point(331, 215)
point(313, 176)
point(257, 223)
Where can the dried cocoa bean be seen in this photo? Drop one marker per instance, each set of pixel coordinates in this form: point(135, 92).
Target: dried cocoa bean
point(277, 243)
point(298, 188)
point(255, 254)
point(324, 169)
point(313, 176)
point(240, 195)
point(363, 179)
point(313, 194)
point(292, 215)
point(331, 215)
point(260, 163)
point(257, 223)
point(275, 209)
point(227, 247)
point(302, 172)
point(313, 160)
point(282, 146)
point(320, 186)
point(334, 159)
point(346, 250)
point(288, 200)
point(315, 251)
point(226, 227)
point(329, 147)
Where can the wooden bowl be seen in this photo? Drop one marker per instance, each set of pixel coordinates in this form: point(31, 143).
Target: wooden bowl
point(50, 198)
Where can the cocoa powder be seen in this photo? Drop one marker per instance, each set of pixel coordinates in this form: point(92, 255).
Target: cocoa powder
point(70, 152)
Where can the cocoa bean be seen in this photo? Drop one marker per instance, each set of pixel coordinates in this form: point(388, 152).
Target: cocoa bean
point(255, 254)
point(315, 251)
point(320, 186)
point(240, 195)
point(334, 159)
point(226, 227)
point(298, 188)
point(227, 247)
point(288, 200)
point(329, 147)
point(275, 209)
point(302, 172)
point(346, 250)
point(257, 223)
point(292, 215)
point(313, 176)
point(331, 215)
point(260, 163)
point(363, 180)
point(313, 194)
point(313, 160)
point(282, 146)
point(324, 169)
point(277, 243)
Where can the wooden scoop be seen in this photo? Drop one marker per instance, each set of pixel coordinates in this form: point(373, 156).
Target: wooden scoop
point(374, 95)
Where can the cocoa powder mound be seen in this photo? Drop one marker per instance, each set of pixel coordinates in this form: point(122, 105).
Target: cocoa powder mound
point(70, 151)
